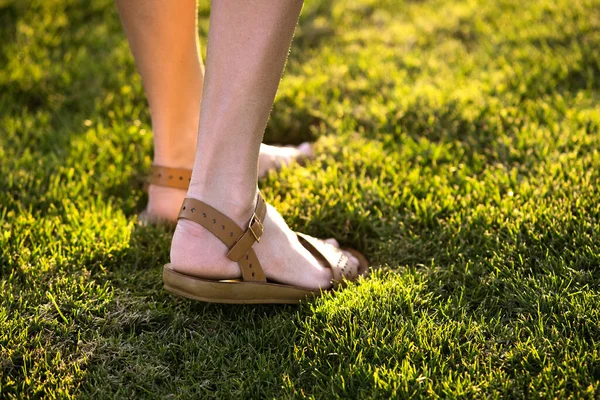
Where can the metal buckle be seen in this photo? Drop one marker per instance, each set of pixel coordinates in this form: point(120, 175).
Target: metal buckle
point(260, 225)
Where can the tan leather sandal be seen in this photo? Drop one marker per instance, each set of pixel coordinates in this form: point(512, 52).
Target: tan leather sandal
point(178, 178)
point(253, 287)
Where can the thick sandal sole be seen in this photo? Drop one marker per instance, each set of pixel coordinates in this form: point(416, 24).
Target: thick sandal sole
point(232, 292)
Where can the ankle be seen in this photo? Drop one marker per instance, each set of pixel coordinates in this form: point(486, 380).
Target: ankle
point(234, 203)
point(175, 149)
point(174, 158)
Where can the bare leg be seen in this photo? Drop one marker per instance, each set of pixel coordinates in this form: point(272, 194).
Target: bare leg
point(165, 46)
point(164, 41)
point(248, 43)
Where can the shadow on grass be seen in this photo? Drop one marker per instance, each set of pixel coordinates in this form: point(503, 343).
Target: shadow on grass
point(153, 342)
point(8, 27)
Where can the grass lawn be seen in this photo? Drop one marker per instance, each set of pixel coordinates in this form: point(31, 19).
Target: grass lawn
point(458, 148)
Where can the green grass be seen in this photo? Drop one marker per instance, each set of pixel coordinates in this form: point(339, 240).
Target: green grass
point(458, 148)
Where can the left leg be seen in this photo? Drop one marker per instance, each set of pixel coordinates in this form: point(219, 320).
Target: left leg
point(247, 48)
point(164, 42)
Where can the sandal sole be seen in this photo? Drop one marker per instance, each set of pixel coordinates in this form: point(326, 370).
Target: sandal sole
point(232, 291)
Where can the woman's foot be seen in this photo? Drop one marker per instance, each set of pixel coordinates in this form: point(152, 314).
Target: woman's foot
point(274, 157)
point(195, 251)
point(164, 202)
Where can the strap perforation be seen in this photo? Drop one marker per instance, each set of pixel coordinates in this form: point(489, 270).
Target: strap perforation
point(238, 240)
point(178, 178)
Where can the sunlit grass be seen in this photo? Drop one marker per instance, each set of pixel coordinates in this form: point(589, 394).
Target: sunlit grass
point(458, 147)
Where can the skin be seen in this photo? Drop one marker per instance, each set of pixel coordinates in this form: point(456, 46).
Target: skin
point(248, 43)
point(166, 48)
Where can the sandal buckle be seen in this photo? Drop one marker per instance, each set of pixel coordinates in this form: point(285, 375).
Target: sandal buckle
point(260, 226)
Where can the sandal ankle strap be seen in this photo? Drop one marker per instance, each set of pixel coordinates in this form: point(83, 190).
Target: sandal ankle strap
point(238, 240)
point(178, 178)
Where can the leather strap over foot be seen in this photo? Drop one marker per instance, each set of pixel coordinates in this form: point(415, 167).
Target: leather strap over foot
point(341, 268)
point(238, 240)
point(178, 178)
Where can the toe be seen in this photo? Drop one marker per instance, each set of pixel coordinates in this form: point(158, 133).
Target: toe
point(332, 242)
point(351, 259)
point(361, 261)
point(306, 149)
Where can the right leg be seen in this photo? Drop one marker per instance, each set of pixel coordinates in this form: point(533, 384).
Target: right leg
point(248, 43)
point(164, 42)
